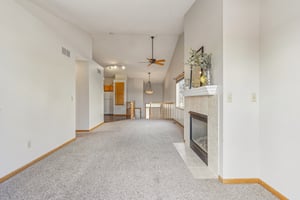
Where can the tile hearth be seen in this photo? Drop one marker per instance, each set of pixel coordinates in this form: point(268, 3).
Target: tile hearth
point(196, 166)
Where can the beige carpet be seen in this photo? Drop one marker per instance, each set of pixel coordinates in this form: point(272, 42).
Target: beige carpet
point(131, 159)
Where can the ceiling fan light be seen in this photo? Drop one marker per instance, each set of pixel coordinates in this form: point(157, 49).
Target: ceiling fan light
point(148, 89)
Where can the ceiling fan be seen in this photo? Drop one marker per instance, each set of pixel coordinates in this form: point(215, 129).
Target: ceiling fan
point(153, 60)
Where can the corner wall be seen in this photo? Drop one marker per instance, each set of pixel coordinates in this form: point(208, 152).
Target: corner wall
point(176, 67)
point(96, 94)
point(279, 95)
point(89, 95)
point(241, 56)
point(82, 96)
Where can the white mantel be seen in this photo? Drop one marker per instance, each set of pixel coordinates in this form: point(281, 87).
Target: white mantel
point(201, 91)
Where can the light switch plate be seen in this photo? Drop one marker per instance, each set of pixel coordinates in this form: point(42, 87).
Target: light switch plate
point(229, 98)
point(253, 97)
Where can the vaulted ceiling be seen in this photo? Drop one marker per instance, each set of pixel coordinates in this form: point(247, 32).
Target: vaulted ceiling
point(121, 30)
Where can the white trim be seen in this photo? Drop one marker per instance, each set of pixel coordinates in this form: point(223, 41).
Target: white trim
point(201, 91)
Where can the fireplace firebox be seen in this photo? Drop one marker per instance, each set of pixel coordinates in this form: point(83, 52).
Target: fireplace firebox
point(198, 135)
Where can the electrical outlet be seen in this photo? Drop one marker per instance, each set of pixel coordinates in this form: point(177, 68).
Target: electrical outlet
point(29, 144)
point(229, 98)
point(253, 97)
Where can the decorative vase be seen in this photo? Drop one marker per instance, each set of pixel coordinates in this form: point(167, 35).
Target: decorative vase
point(202, 78)
point(196, 76)
point(208, 76)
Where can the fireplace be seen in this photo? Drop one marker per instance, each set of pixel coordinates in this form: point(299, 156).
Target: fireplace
point(198, 135)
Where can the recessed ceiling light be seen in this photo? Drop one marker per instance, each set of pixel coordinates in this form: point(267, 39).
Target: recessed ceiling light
point(115, 67)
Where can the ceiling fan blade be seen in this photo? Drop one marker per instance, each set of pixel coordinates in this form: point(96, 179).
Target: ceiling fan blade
point(162, 60)
point(161, 64)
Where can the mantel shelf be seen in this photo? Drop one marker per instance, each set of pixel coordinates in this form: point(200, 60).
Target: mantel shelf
point(201, 91)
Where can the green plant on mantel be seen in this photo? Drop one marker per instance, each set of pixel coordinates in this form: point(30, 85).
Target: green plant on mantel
point(194, 59)
point(197, 58)
point(200, 64)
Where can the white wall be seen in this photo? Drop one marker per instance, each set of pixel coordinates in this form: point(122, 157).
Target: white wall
point(82, 95)
point(176, 67)
point(135, 93)
point(71, 35)
point(279, 95)
point(203, 27)
point(108, 102)
point(89, 95)
point(240, 83)
point(96, 94)
point(37, 86)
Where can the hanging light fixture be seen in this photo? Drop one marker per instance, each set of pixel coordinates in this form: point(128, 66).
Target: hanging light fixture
point(148, 89)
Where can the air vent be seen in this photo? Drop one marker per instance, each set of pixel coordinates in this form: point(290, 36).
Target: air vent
point(65, 52)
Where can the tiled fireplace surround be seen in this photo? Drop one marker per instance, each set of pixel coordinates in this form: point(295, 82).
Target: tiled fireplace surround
point(206, 104)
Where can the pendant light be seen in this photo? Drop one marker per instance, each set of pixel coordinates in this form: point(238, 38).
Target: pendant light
point(148, 89)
